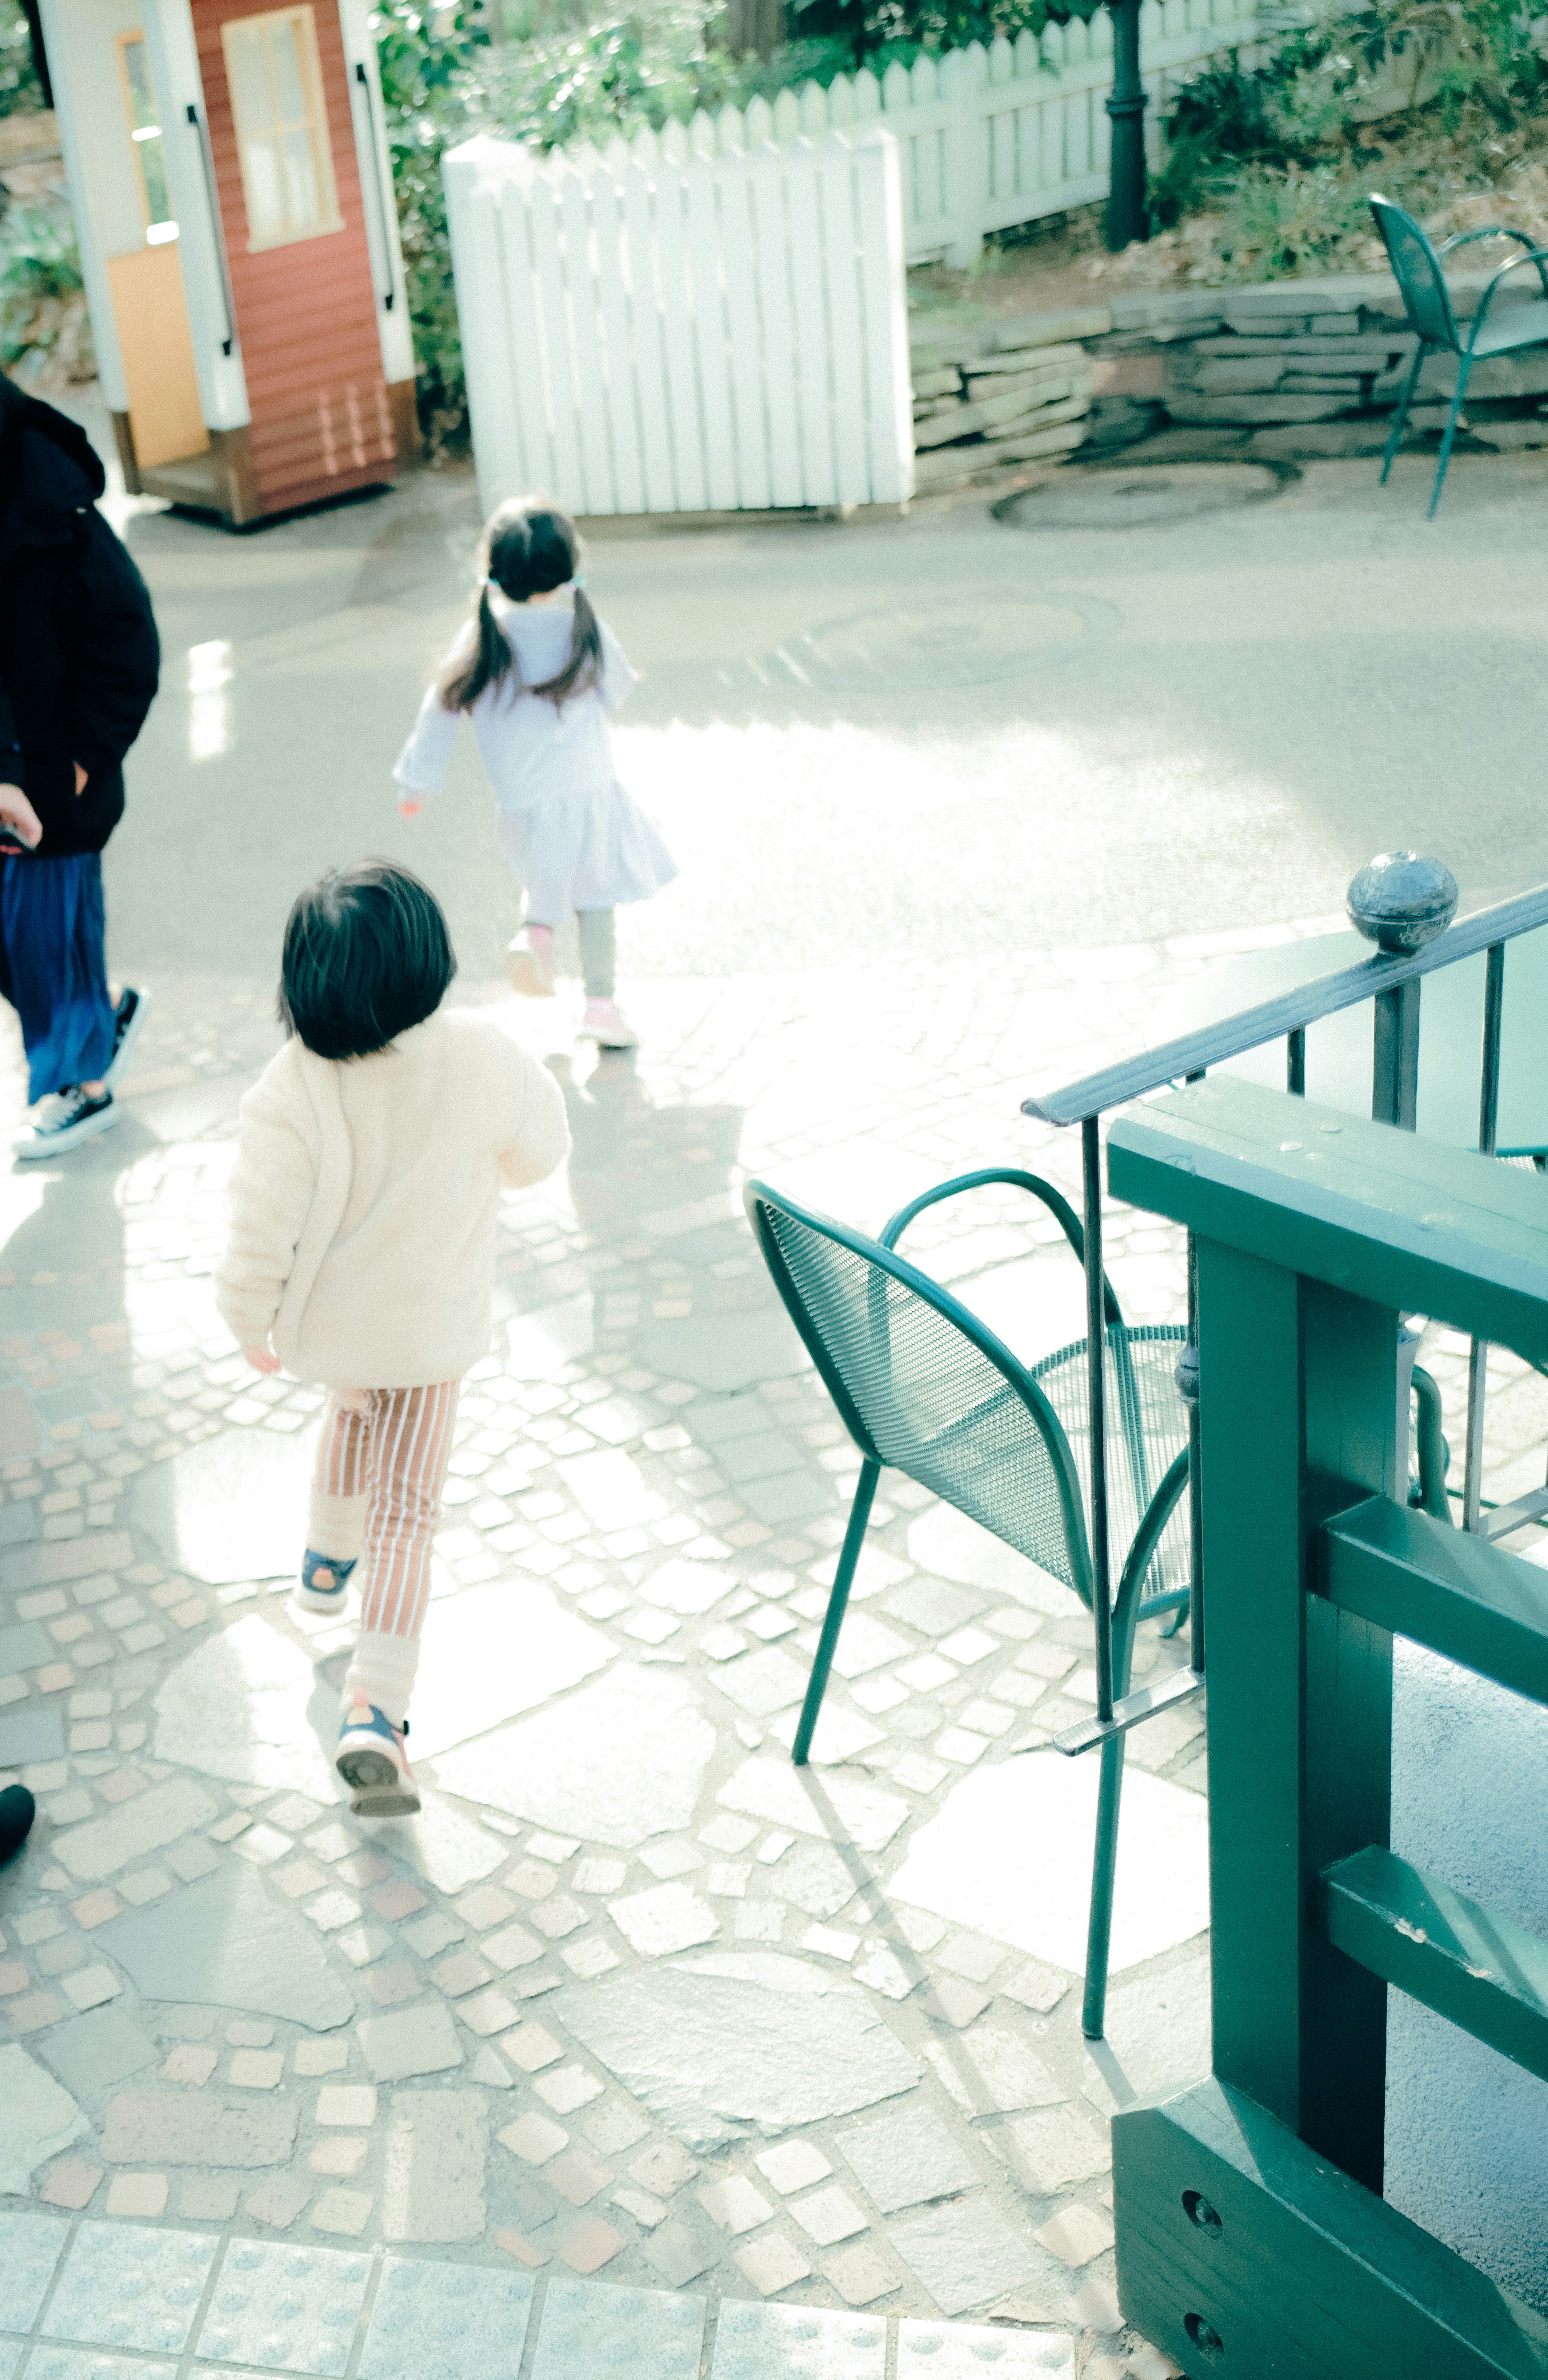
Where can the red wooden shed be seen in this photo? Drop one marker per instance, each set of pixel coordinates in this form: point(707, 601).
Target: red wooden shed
point(233, 191)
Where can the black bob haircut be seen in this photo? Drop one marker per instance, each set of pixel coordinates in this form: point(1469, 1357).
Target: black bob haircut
point(366, 955)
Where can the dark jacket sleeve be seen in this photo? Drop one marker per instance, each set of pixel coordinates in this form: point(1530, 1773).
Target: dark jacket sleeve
point(116, 656)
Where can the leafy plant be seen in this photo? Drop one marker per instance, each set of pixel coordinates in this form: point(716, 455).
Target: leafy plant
point(39, 271)
point(1268, 172)
point(19, 87)
point(867, 27)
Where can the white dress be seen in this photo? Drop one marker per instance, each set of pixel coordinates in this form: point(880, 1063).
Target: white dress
point(574, 837)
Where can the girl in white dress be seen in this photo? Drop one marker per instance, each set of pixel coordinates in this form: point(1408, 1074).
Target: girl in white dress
point(539, 672)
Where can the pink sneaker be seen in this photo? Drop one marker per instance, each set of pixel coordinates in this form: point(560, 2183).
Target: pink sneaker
point(605, 1024)
point(372, 1762)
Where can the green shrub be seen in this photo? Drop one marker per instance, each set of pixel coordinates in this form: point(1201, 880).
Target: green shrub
point(1267, 172)
point(19, 87)
point(39, 270)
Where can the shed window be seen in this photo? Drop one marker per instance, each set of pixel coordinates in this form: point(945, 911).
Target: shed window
point(145, 133)
point(282, 127)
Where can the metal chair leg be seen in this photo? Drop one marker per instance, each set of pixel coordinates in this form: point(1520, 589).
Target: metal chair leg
point(854, 1538)
point(1104, 1873)
point(1450, 433)
point(1400, 420)
point(1104, 1870)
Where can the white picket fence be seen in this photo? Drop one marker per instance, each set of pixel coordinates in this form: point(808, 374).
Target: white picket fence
point(716, 333)
point(990, 137)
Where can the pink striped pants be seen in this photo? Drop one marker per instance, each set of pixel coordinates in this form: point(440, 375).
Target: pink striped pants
point(380, 1468)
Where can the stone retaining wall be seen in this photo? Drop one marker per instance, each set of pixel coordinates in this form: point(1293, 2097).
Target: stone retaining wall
point(1289, 370)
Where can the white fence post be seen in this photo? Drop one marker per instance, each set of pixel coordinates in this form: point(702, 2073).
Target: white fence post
point(473, 224)
point(965, 74)
point(889, 414)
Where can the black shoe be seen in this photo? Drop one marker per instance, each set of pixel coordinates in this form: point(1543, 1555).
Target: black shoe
point(18, 1811)
point(129, 1018)
point(63, 1122)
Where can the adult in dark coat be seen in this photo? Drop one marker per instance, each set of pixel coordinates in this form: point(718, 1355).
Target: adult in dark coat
point(79, 661)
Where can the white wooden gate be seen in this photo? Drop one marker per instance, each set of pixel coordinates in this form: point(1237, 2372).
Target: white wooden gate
point(718, 333)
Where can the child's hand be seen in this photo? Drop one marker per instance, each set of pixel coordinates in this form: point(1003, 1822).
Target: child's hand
point(407, 808)
point(261, 1359)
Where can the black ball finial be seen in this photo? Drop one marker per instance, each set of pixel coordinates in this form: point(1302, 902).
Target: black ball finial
point(1400, 902)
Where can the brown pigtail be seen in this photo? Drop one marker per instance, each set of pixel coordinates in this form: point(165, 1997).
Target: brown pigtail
point(461, 682)
point(584, 668)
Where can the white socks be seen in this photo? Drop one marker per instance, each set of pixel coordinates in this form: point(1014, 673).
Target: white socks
point(384, 1670)
point(335, 1525)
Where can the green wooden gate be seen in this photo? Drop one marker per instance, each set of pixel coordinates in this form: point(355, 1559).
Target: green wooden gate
point(1252, 2238)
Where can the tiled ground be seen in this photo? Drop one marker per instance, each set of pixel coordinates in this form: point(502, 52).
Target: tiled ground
point(634, 2015)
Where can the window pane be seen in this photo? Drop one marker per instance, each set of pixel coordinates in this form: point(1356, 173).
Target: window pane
point(301, 172)
point(289, 91)
point(260, 169)
point(248, 75)
point(153, 164)
point(137, 73)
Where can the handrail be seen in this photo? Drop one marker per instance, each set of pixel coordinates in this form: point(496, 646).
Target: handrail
point(384, 224)
point(217, 229)
point(1289, 1011)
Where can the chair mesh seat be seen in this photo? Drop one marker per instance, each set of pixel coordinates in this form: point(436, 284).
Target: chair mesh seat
point(937, 1408)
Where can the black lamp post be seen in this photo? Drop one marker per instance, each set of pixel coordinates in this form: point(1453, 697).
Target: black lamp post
point(1126, 215)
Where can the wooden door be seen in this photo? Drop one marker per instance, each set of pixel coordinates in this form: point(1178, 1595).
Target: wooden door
point(165, 420)
point(283, 143)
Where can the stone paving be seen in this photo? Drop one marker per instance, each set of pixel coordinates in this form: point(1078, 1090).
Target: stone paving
point(632, 1998)
point(636, 2024)
point(638, 2042)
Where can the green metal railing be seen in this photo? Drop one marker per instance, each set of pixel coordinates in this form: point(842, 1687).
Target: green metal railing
point(1390, 981)
point(1252, 2237)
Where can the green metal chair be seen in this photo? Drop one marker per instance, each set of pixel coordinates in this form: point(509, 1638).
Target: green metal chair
point(921, 1383)
point(1417, 268)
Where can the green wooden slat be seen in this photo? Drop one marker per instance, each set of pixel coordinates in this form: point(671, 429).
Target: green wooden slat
point(1400, 1221)
point(1479, 1970)
point(1304, 2274)
point(1443, 1587)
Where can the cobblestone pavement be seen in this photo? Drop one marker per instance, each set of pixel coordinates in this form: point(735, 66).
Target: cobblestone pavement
point(637, 2045)
point(631, 2000)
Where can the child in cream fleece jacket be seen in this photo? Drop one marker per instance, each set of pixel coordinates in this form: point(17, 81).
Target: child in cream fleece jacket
point(364, 1203)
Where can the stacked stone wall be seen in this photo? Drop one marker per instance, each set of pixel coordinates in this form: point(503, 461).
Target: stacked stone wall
point(1289, 370)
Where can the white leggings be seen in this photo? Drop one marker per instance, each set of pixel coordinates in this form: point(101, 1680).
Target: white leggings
point(598, 943)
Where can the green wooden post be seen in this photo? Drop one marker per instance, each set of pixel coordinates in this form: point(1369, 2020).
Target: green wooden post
point(1296, 1382)
point(1252, 2235)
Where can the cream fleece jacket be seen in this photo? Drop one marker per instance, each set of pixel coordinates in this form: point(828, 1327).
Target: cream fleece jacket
point(365, 1197)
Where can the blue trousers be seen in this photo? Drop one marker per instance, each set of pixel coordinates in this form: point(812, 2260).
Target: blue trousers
point(53, 968)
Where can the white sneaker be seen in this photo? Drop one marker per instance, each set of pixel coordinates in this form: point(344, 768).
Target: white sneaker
point(63, 1122)
point(529, 965)
point(605, 1024)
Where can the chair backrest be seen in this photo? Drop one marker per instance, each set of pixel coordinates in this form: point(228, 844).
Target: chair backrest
point(923, 1384)
point(1417, 268)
